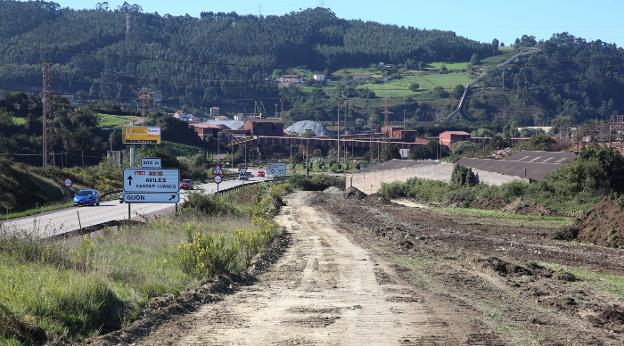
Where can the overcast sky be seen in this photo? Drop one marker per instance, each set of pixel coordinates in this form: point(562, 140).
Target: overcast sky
point(481, 20)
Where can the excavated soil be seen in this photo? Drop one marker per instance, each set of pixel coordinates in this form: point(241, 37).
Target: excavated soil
point(603, 224)
point(523, 207)
point(325, 290)
point(504, 277)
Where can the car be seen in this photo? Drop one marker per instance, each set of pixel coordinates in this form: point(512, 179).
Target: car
point(87, 197)
point(186, 184)
point(260, 174)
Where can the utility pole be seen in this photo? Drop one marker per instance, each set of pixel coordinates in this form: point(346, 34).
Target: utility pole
point(45, 101)
point(404, 123)
point(338, 146)
point(307, 157)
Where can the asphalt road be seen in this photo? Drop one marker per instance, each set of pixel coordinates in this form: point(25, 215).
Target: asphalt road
point(66, 220)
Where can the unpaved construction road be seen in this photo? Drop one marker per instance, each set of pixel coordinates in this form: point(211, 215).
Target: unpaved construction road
point(324, 290)
point(371, 272)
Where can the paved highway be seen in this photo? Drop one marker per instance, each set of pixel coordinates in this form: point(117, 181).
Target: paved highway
point(66, 220)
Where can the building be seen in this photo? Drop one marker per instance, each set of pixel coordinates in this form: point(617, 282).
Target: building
point(186, 117)
point(215, 111)
point(264, 127)
point(206, 130)
point(448, 138)
point(399, 133)
point(289, 79)
point(319, 77)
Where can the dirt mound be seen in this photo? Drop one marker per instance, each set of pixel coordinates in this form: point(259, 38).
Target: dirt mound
point(603, 224)
point(353, 193)
point(521, 206)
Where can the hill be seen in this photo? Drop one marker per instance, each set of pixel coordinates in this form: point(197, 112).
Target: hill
point(22, 189)
point(112, 55)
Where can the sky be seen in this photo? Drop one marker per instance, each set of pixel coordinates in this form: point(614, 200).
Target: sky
point(481, 20)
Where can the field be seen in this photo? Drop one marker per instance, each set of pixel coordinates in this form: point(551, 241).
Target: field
point(427, 82)
point(110, 120)
point(451, 66)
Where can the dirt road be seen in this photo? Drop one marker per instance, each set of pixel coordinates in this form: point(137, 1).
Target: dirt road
point(324, 290)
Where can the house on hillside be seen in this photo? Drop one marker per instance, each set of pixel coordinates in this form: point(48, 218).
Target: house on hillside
point(290, 79)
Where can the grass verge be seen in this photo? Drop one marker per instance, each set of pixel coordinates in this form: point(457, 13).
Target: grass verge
point(72, 289)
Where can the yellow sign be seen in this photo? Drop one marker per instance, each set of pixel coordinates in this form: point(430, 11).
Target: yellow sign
point(140, 135)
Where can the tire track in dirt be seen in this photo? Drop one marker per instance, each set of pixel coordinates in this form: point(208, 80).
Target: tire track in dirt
point(324, 290)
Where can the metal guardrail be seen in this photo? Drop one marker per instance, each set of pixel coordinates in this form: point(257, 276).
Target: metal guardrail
point(238, 187)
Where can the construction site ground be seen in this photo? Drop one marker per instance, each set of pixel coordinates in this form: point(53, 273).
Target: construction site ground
point(371, 272)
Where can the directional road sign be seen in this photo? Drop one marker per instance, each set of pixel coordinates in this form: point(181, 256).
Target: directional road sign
point(151, 162)
point(276, 169)
point(68, 182)
point(151, 180)
point(173, 197)
point(218, 179)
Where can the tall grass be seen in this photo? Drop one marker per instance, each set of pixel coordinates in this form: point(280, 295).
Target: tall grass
point(487, 196)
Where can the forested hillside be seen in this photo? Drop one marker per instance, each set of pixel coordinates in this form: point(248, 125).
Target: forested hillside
point(571, 80)
point(113, 54)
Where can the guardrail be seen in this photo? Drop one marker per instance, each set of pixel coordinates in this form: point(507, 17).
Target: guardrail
point(238, 187)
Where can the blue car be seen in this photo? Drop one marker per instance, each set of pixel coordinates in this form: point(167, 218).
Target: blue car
point(86, 197)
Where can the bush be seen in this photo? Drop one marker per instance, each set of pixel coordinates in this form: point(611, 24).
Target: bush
point(316, 182)
point(207, 204)
point(463, 176)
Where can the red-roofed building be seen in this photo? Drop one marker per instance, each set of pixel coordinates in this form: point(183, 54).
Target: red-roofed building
point(448, 138)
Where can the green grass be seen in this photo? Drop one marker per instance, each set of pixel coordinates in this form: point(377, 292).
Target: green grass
point(82, 286)
point(427, 82)
point(497, 217)
point(19, 120)
point(179, 150)
point(110, 120)
point(452, 66)
point(606, 282)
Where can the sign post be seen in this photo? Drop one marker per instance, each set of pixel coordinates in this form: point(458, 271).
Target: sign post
point(218, 172)
point(133, 135)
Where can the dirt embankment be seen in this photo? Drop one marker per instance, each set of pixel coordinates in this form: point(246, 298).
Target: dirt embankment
point(603, 224)
point(506, 276)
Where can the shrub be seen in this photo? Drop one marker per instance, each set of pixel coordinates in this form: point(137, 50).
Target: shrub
point(316, 182)
point(463, 176)
point(208, 205)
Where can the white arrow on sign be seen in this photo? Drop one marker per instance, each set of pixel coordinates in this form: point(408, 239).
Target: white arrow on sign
point(173, 197)
point(151, 180)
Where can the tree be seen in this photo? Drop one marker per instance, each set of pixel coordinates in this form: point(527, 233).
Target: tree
point(458, 91)
point(495, 45)
point(464, 176)
point(390, 152)
point(439, 92)
point(414, 86)
point(475, 60)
